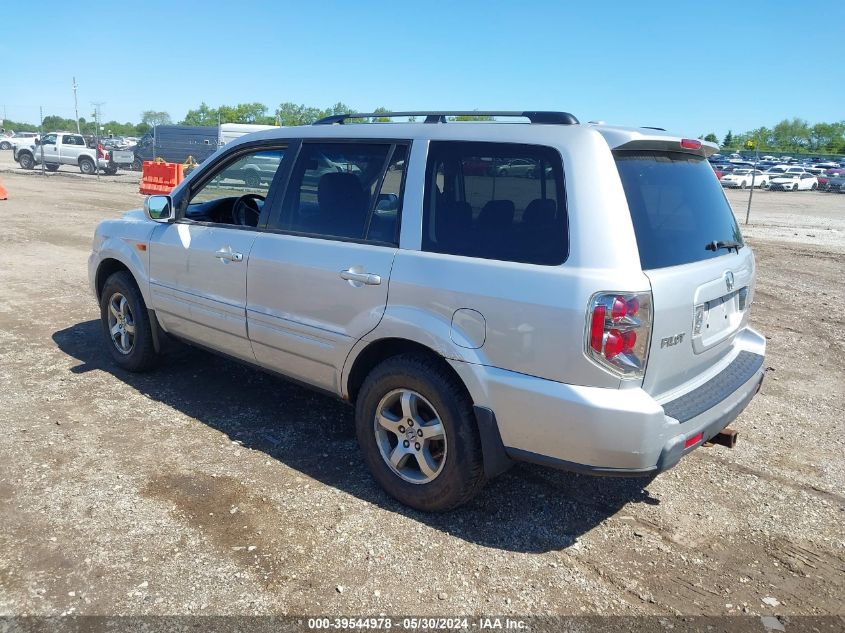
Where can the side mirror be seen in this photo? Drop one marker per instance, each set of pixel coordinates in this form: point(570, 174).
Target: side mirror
point(38, 141)
point(159, 208)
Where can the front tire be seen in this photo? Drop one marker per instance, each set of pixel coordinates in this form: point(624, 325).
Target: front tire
point(126, 324)
point(86, 166)
point(416, 428)
point(26, 161)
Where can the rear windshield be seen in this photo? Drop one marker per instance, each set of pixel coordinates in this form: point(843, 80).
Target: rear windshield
point(677, 207)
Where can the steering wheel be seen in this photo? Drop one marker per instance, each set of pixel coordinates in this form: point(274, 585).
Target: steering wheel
point(245, 210)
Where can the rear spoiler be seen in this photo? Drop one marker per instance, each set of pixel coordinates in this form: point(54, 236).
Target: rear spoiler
point(685, 145)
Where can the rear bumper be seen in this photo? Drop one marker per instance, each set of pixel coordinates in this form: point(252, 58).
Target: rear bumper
point(622, 432)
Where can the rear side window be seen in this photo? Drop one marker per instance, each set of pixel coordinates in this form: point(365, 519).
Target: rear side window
point(677, 207)
point(499, 201)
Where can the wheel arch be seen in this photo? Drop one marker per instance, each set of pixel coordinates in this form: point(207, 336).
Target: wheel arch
point(379, 350)
point(86, 157)
point(106, 269)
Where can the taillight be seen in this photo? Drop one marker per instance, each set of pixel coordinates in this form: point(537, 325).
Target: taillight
point(102, 153)
point(619, 327)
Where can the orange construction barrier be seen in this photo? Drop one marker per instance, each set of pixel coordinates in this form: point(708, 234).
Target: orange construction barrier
point(4, 195)
point(159, 177)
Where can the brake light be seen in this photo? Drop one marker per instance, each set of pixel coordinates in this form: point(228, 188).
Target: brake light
point(619, 330)
point(102, 153)
point(690, 143)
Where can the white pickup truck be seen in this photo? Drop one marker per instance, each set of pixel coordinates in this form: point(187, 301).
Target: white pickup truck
point(64, 148)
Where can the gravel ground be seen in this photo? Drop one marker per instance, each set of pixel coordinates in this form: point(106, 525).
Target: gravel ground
point(210, 488)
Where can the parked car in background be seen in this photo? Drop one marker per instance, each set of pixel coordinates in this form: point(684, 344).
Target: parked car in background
point(114, 142)
point(8, 142)
point(794, 182)
point(518, 167)
point(742, 178)
point(780, 170)
point(834, 181)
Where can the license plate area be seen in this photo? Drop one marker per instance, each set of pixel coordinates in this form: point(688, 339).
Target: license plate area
point(717, 319)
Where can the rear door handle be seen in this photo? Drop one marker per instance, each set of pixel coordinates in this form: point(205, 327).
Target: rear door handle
point(227, 254)
point(368, 279)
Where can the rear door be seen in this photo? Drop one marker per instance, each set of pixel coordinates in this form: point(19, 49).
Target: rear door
point(692, 251)
point(318, 278)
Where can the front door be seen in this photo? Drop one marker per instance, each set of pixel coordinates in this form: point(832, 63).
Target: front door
point(49, 148)
point(318, 278)
point(198, 264)
point(72, 146)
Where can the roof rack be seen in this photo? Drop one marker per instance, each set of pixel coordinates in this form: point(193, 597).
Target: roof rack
point(440, 116)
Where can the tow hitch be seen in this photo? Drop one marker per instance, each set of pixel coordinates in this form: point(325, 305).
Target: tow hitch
point(726, 437)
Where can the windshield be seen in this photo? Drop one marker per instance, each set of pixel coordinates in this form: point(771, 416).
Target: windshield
point(677, 207)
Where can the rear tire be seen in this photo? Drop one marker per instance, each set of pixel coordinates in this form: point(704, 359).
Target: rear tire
point(86, 166)
point(5, 145)
point(418, 399)
point(742, 185)
point(126, 324)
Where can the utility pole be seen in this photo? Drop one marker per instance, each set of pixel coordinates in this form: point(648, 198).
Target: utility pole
point(76, 106)
point(97, 105)
point(41, 139)
point(753, 172)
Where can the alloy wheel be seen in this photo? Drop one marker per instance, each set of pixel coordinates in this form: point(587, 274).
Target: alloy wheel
point(410, 436)
point(121, 324)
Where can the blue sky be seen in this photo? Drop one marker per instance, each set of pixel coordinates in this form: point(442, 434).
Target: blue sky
point(691, 67)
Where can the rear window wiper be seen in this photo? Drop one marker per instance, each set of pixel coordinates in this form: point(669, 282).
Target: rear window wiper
point(715, 246)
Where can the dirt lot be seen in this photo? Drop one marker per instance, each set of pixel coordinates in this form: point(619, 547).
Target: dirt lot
point(207, 487)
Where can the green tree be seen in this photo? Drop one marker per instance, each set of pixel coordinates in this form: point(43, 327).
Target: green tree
point(470, 117)
point(203, 115)
point(153, 117)
point(381, 119)
point(292, 114)
point(711, 138)
point(827, 137)
point(727, 142)
point(792, 135)
point(252, 113)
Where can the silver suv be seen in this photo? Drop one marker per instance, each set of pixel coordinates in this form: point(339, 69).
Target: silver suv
point(587, 311)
